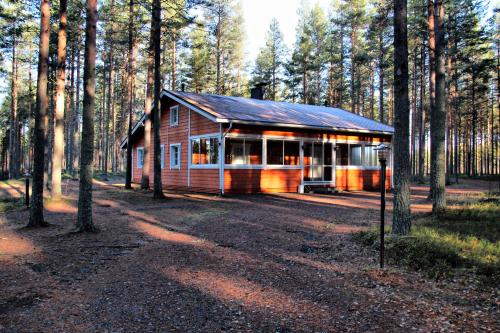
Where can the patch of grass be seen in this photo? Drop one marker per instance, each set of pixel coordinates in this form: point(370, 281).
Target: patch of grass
point(464, 239)
point(8, 204)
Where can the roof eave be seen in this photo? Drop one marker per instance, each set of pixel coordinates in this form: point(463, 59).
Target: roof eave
point(328, 128)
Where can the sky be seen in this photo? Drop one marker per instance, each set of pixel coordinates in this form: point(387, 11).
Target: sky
point(258, 15)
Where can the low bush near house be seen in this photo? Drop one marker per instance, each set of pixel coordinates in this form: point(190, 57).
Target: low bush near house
point(464, 239)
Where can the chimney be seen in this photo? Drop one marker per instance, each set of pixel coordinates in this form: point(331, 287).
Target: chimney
point(183, 86)
point(257, 92)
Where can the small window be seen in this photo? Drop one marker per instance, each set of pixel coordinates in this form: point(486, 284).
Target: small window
point(342, 152)
point(175, 156)
point(355, 154)
point(243, 151)
point(174, 115)
point(371, 156)
point(205, 151)
point(162, 156)
point(140, 157)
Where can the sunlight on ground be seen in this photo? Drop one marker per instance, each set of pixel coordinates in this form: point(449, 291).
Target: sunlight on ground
point(244, 292)
point(14, 245)
point(12, 188)
point(61, 206)
point(167, 235)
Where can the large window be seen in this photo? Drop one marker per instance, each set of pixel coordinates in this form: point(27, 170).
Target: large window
point(174, 115)
point(175, 156)
point(370, 154)
point(280, 152)
point(243, 151)
point(204, 151)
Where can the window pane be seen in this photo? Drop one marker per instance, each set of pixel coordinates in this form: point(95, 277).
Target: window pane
point(234, 151)
point(371, 156)
point(162, 156)
point(318, 153)
point(253, 151)
point(195, 151)
point(342, 154)
point(355, 154)
point(327, 150)
point(140, 157)
point(317, 173)
point(204, 151)
point(214, 151)
point(307, 153)
point(174, 156)
point(274, 152)
point(327, 173)
point(292, 152)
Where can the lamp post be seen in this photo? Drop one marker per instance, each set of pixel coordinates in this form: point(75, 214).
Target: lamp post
point(27, 189)
point(383, 152)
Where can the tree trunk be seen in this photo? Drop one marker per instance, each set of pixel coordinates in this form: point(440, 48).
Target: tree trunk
point(14, 138)
point(85, 222)
point(42, 103)
point(174, 62)
point(438, 116)
point(402, 218)
point(432, 68)
point(156, 23)
point(353, 67)
point(128, 172)
point(381, 77)
point(76, 116)
point(69, 143)
point(421, 119)
point(146, 166)
point(60, 100)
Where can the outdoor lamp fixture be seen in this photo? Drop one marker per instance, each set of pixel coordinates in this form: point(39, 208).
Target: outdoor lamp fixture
point(383, 154)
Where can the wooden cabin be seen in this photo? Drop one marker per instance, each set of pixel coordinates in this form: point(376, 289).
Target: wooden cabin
point(222, 144)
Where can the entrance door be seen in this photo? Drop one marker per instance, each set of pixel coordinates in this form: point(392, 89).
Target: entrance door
point(318, 162)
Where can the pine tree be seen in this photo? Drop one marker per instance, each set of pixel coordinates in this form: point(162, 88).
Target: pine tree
point(42, 103)
point(269, 62)
point(85, 221)
point(401, 223)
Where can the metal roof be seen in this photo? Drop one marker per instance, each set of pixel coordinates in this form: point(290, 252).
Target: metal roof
point(250, 111)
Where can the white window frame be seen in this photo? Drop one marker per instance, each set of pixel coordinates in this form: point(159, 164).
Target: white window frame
point(162, 156)
point(140, 161)
point(245, 165)
point(283, 165)
point(176, 109)
point(178, 165)
point(190, 152)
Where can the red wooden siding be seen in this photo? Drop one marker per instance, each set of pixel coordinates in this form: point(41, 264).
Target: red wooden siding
point(202, 180)
point(261, 181)
point(358, 179)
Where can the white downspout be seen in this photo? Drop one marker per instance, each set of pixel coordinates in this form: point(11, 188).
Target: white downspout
point(189, 150)
point(222, 153)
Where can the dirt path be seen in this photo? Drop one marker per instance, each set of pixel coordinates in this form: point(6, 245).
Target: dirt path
point(200, 263)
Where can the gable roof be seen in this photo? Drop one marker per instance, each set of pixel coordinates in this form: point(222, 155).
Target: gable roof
point(226, 109)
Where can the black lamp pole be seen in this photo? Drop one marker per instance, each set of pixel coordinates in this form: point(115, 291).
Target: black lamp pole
point(382, 208)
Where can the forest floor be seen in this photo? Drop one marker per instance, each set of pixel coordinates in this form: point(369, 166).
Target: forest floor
point(202, 263)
